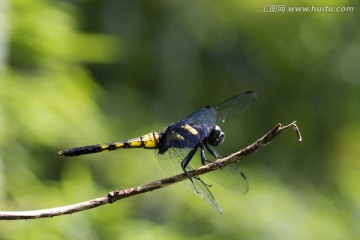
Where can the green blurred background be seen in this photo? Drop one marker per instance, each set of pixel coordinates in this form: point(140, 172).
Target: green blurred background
point(82, 72)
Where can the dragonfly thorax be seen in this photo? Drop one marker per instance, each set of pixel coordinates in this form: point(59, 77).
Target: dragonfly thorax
point(216, 136)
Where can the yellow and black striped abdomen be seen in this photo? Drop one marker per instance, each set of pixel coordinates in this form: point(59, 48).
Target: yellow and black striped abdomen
point(150, 140)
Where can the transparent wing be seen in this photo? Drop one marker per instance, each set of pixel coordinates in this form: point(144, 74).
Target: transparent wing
point(226, 110)
point(205, 115)
point(230, 177)
point(170, 162)
point(234, 106)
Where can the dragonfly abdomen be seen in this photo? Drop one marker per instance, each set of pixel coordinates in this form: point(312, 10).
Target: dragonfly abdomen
point(150, 140)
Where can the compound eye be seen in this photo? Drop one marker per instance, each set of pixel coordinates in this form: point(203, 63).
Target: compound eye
point(216, 137)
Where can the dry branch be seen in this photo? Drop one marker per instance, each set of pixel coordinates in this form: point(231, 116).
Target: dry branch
point(120, 194)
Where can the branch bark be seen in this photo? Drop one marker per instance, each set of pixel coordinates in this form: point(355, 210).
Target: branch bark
point(116, 195)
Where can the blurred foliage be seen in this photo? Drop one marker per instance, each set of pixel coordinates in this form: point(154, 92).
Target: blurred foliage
point(82, 72)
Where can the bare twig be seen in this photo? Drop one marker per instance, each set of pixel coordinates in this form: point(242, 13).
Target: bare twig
point(120, 194)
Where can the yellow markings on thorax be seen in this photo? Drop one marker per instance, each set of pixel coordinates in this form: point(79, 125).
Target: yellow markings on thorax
point(175, 136)
point(190, 129)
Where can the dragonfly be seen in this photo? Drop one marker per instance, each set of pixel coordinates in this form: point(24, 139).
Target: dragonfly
point(178, 143)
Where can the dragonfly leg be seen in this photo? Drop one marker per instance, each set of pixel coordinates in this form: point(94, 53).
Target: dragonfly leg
point(202, 155)
point(187, 159)
point(184, 164)
point(212, 152)
point(199, 179)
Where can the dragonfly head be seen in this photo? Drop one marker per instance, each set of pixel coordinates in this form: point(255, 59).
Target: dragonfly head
point(216, 136)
